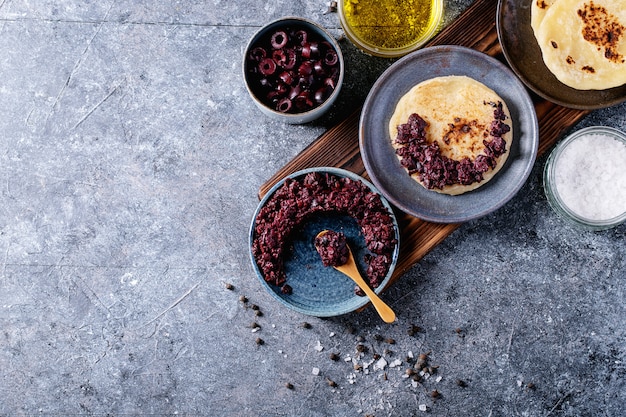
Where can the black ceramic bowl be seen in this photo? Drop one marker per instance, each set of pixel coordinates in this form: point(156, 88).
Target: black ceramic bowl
point(293, 69)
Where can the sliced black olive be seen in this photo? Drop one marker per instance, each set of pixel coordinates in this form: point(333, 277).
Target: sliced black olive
point(287, 77)
point(284, 105)
point(318, 67)
point(279, 56)
point(294, 92)
point(290, 58)
point(257, 54)
point(303, 101)
point(322, 94)
point(279, 39)
point(331, 58)
point(267, 66)
point(301, 37)
point(305, 69)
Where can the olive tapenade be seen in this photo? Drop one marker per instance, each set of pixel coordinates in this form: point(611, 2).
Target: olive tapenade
point(436, 170)
point(297, 199)
point(332, 247)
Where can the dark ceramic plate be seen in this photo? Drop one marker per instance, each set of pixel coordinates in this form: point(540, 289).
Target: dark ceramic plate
point(318, 290)
point(524, 56)
point(390, 177)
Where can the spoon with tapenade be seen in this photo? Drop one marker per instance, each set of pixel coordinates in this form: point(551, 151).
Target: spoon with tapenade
point(334, 251)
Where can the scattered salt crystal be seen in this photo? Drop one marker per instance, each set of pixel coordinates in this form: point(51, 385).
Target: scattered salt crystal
point(439, 378)
point(315, 371)
point(410, 354)
point(319, 346)
point(395, 363)
point(422, 407)
point(380, 365)
point(256, 329)
point(331, 334)
point(589, 176)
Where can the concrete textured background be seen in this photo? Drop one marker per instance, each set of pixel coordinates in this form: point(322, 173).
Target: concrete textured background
point(130, 161)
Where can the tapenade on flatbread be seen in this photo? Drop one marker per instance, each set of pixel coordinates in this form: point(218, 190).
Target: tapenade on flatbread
point(582, 42)
point(451, 134)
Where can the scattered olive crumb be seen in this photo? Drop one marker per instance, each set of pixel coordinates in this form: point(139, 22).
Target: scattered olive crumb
point(530, 385)
point(332, 7)
point(255, 325)
point(410, 371)
point(229, 286)
point(435, 394)
point(289, 385)
point(333, 356)
point(243, 298)
point(258, 313)
point(306, 325)
point(385, 376)
point(461, 383)
point(378, 337)
point(358, 367)
point(361, 348)
point(259, 341)
point(390, 341)
point(413, 330)
point(387, 352)
point(254, 307)
point(330, 382)
point(376, 356)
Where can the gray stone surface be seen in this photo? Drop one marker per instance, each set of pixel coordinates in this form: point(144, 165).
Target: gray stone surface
point(130, 162)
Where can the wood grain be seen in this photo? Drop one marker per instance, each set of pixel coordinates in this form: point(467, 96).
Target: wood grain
point(339, 146)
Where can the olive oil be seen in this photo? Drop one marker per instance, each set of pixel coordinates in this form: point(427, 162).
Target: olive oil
point(392, 24)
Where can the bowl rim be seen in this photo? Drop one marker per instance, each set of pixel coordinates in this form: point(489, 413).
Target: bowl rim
point(392, 52)
point(316, 111)
point(274, 290)
point(550, 189)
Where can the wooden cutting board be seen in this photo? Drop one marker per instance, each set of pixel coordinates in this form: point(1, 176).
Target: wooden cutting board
point(339, 146)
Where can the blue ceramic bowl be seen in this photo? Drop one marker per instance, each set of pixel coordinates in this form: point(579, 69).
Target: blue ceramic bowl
point(318, 290)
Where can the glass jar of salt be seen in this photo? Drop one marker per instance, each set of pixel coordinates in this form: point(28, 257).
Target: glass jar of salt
point(585, 178)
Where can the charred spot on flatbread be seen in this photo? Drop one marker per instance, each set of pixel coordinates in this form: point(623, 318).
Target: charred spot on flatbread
point(602, 29)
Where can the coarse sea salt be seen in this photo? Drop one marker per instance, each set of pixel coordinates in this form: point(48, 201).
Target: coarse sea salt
point(590, 177)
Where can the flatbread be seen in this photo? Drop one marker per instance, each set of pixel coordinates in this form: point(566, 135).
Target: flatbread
point(459, 112)
point(583, 42)
point(538, 10)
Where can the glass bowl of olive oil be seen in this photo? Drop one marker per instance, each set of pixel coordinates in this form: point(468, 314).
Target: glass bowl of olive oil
point(390, 28)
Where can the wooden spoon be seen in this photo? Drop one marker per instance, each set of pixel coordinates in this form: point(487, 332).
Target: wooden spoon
point(350, 269)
